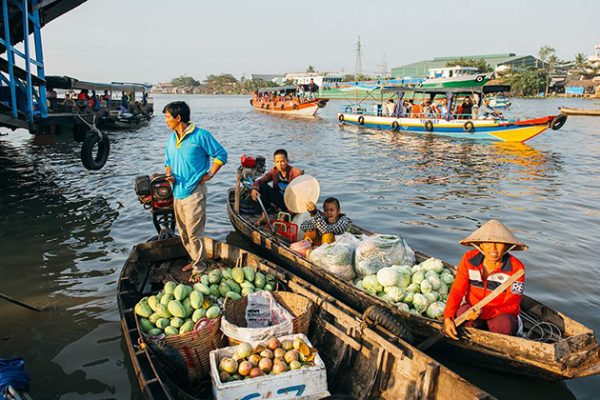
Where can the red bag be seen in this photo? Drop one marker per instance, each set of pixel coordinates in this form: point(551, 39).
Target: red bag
point(247, 161)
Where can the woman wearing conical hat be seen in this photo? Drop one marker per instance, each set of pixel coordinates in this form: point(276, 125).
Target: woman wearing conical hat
point(480, 271)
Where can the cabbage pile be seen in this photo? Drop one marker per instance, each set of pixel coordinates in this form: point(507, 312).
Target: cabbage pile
point(421, 289)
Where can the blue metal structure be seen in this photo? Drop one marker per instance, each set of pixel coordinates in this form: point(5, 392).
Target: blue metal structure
point(21, 85)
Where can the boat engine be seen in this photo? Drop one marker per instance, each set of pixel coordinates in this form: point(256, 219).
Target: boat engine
point(250, 169)
point(156, 194)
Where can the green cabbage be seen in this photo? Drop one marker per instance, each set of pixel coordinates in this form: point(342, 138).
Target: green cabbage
point(388, 276)
point(435, 282)
point(403, 307)
point(432, 297)
point(425, 286)
point(403, 269)
point(418, 277)
point(395, 293)
point(408, 297)
point(433, 264)
point(403, 281)
point(414, 287)
point(447, 278)
point(436, 310)
point(420, 303)
point(371, 284)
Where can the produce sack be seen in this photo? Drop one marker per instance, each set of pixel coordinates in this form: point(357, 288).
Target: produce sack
point(335, 258)
point(378, 251)
point(264, 318)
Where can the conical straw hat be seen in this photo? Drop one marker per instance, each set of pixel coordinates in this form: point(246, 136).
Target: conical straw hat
point(300, 191)
point(496, 232)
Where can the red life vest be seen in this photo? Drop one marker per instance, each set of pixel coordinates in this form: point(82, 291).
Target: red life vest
point(470, 285)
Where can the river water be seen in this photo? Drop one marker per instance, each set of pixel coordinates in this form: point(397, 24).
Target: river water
point(66, 232)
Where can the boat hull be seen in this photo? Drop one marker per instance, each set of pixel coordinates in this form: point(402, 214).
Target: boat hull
point(575, 356)
point(580, 111)
point(521, 131)
point(306, 109)
point(340, 332)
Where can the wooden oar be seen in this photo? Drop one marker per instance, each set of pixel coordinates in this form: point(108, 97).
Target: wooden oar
point(20, 303)
point(477, 307)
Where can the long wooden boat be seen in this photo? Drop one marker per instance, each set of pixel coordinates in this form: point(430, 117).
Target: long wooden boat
point(363, 360)
point(579, 111)
point(576, 354)
point(284, 100)
point(454, 126)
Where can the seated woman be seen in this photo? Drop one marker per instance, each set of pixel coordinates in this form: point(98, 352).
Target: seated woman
point(321, 228)
point(481, 271)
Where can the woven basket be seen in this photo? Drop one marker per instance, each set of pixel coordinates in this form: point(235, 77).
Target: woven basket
point(195, 346)
point(299, 306)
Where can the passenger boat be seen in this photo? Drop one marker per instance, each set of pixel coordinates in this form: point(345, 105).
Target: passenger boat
point(285, 100)
point(451, 125)
point(363, 359)
point(579, 111)
point(575, 354)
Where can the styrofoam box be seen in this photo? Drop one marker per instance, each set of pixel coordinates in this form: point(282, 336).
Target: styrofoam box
point(304, 383)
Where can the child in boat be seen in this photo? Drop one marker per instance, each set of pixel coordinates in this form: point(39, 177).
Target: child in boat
point(321, 228)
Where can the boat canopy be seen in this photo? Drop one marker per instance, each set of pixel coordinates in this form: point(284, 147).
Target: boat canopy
point(287, 89)
point(445, 91)
point(66, 82)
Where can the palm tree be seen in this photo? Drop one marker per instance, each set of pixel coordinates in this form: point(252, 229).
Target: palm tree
point(581, 63)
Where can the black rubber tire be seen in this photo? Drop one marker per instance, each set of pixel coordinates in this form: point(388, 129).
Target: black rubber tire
point(384, 318)
point(558, 122)
point(428, 126)
point(321, 103)
point(267, 107)
point(395, 126)
point(479, 79)
point(80, 132)
point(469, 127)
point(88, 159)
point(282, 107)
point(341, 118)
point(361, 120)
point(295, 106)
point(251, 101)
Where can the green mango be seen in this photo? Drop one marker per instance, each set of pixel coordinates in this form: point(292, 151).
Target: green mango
point(226, 272)
point(214, 290)
point(249, 273)
point(246, 291)
point(186, 327)
point(166, 298)
point(145, 325)
point(198, 315)
point(152, 302)
point(214, 276)
point(204, 280)
point(187, 306)
point(213, 312)
point(268, 287)
point(154, 332)
point(202, 288)
point(233, 285)
point(170, 287)
point(163, 311)
point(237, 274)
point(153, 318)
point(181, 292)
point(260, 280)
point(233, 295)
point(176, 322)
point(223, 289)
point(196, 299)
point(176, 308)
point(171, 331)
point(162, 323)
point(247, 284)
point(143, 309)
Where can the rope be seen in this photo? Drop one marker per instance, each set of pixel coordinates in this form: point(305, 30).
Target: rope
point(92, 127)
point(541, 331)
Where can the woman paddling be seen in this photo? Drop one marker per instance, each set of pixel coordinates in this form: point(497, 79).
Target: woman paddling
point(481, 271)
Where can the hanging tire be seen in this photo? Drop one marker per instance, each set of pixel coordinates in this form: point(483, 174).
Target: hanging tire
point(558, 122)
point(97, 161)
point(384, 318)
point(361, 120)
point(267, 107)
point(321, 103)
point(282, 107)
point(251, 101)
point(262, 105)
point(295, 106)
point(395, 126)
point(469, 127)
point(428, 126)
point(479, 78)
point(341, 117)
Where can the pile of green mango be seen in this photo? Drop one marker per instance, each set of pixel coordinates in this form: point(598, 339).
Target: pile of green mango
point(175, 309)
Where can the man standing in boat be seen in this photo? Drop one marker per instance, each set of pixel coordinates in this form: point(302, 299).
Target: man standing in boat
point(312, 89)
point(188, 168)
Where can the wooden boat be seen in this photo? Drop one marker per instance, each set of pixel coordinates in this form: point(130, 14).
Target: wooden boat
point(363, 360)
point(576, 354)
point(467, 127)
point(579, 111)
point(284, 100)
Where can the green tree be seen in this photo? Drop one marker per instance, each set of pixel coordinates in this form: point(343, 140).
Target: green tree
point(548, 55)
point(527, 82)
point(581, 63)
point(182, 80)
point(480, 64)
point(310, 69)
point(223, 83)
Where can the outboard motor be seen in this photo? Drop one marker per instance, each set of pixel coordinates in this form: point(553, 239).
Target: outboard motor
point(156, 194)
point(250, 169)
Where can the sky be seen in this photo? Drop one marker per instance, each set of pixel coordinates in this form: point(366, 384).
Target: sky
point(154, 41)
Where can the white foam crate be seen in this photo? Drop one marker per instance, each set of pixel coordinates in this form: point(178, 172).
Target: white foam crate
point(304, 383)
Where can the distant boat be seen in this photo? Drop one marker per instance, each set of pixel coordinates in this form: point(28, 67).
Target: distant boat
point(579, 111)
point(500, 101)
point(285, 100)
